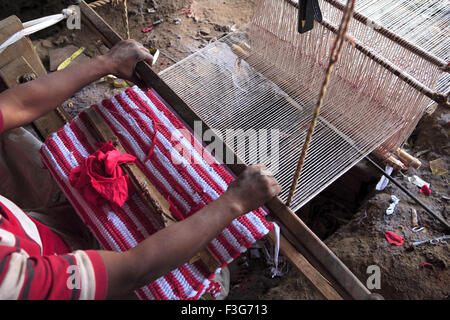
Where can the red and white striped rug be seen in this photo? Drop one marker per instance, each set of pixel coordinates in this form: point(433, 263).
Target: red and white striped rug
point(188, 186)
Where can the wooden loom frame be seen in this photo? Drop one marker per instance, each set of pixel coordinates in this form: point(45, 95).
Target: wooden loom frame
point(298, 243)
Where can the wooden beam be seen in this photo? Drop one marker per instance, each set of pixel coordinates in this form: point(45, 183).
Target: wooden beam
point(301, 263)
point(300, 236)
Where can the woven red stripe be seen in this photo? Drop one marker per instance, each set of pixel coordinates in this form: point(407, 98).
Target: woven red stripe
point(141, 294)
point(59, 157)
point(227, 245)
point(176, 286)
point(190, 278)
point(122, 242)
point(241, 239)
point(81, 137)
point(160, 167)
point(219, 256)
point(168, 135)
point(249, 225)
point(70, 147)
point(261, 214)
point(157, 291)
point(223, 173)
point(85, 217)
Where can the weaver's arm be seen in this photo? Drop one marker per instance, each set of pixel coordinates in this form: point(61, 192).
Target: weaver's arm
point(172, 246)
point(28, 102)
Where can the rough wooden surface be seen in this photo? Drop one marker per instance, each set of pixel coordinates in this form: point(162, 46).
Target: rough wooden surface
point(15, 60)
point(301, 263)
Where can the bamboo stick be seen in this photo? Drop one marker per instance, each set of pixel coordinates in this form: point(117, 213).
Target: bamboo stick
point(335, 53)
point(408, 159)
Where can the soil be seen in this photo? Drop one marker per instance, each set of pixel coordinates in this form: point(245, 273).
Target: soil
point(348, 216)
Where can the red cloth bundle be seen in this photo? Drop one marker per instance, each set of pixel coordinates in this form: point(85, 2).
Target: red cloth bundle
point(100, 178)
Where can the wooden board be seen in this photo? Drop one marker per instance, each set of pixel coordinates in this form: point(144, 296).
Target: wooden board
point(19, 57)
point(301, 263)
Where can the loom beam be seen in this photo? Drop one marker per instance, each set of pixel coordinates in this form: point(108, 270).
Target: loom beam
point(311, 256)
point(414, 83)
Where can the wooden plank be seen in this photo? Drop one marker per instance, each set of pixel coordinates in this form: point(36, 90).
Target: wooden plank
point(52, 121)
point(302, 264)
point(146, 190)
point(301, 237)
point(23, 47)
point(12, 71)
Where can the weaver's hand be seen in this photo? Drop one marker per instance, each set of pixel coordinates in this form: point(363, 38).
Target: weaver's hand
point(123, 57)
point(253, 188)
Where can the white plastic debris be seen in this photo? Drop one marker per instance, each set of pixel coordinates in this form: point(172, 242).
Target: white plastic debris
point(384, 181)
point(390, 210)
point(418, 181)
point(275, 271)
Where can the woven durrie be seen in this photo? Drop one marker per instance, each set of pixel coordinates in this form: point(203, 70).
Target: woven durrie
point(188, 186)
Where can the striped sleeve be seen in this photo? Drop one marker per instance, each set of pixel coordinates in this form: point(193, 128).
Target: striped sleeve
point(1, 121)
point(80, 275)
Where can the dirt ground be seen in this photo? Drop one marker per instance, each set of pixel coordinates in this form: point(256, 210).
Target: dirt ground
point(349, 215)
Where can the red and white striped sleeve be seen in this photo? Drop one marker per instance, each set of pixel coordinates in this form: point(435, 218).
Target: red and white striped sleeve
point(1, 121)
point(80, 275)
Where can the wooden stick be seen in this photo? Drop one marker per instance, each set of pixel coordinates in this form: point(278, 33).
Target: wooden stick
point(147, 191)
point(335, 53)
point(408, 159)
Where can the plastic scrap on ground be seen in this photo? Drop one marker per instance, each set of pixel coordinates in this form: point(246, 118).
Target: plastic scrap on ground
point(438, 167)
point(390, 210)
point(394, 238)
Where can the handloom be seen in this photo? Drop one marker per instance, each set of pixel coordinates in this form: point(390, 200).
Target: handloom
point(264, 72)
point(297, 242)
point(141, 121)
point(268, 76)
